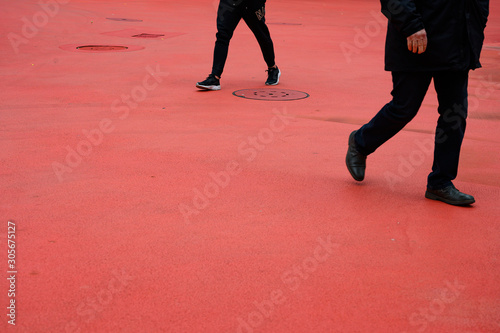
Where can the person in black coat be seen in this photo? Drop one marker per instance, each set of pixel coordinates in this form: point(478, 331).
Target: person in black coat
point(427, 40)
point(229, 14)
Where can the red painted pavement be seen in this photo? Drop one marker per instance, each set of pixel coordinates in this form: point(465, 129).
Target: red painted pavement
point(144, 205)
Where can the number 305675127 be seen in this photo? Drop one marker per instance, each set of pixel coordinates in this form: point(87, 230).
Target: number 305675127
point(11, 236)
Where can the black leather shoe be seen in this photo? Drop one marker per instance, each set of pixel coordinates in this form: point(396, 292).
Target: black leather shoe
point(356, 162)
point(450, 195)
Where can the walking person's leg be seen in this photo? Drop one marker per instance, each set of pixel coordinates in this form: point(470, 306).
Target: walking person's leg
point(229, 15)
point(409, 89)
point(255, 18)
point(451, 89)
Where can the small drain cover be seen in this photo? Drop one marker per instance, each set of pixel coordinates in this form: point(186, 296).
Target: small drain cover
point(145, 35)
point(122, 19)
point(141, 33)
point(102, 48)
point(96, 48)
point(271, 94)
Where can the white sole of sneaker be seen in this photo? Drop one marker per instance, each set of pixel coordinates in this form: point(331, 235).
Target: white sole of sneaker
point(207, 87)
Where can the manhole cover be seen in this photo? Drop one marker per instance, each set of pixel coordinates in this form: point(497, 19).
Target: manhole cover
point(145, 35)
point(102, 48)
point(122, 19)
point(271, 94)
point(142, 33)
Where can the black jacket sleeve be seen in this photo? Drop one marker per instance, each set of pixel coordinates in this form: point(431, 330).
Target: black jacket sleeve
point(481, 9)
point(403, 15)
point(478, 11)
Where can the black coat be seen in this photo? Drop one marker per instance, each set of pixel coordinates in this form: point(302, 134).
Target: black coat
point(455, 33)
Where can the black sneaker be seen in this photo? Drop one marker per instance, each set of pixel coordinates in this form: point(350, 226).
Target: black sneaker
point(273, 76)
point(210, 83)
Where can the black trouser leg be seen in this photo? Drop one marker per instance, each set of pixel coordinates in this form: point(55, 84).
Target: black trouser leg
point(229, 15)
point(451, 88)
point(255, 18)
point(409, 89)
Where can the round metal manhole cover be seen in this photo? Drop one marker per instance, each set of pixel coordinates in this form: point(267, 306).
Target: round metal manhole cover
point(271, 94)
point(122, 19)
point(100, 48)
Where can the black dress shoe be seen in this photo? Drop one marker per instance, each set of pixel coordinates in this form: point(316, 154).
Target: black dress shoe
point(356, 162)
point(451, 196)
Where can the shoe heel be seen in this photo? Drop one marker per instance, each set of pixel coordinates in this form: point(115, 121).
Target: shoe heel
point(431, 196)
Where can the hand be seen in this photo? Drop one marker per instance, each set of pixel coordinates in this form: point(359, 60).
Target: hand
point(417, 43)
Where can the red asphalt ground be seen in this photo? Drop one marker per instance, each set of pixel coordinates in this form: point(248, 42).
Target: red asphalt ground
point(174, 210)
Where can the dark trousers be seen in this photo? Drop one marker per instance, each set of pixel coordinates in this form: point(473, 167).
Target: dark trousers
point(229, 14)
point(409, 89)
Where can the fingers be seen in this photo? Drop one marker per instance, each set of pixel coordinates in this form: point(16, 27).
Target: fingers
point(421, 45)
point(417, 46)
point(417, 43)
